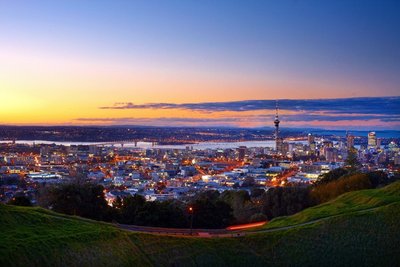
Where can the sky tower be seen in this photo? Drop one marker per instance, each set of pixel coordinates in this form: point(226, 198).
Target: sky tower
point(278, 140)
point(276, 121)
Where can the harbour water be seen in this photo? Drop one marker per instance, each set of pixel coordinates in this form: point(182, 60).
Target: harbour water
point(147, 145)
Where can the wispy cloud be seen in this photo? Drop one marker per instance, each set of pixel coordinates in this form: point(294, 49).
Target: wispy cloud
point(350, 113)
point(341, 117)
point(370, 105)
point(175, 121)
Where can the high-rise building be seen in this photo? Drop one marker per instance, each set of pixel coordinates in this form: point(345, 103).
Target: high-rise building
point(312, 148)
point(311, 143)
point(311, 139)
point(350, 141)
point(397, 159)
point(327, 143)
point(45, 150)
point(279, 144)
point(242, 152)
point(378, 143)
point(372, 142)
point(393, 147)
point(284, 147)
point(331, 154)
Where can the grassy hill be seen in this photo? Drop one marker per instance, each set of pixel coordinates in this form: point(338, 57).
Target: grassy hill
point(359, 228)
point(352, 202)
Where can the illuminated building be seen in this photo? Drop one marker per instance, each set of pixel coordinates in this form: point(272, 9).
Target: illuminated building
point(350, 141)
point(372, 142)
point(331, 154)
point(311, 139)
point(397, 159)
point(378, 143)
point(393, 147)
point(311, 143)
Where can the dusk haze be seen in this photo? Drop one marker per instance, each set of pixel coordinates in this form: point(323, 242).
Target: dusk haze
point(62, 61)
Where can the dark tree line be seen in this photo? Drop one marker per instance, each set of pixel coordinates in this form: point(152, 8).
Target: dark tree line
point(343, 180)
point(136, 210)
point(85, 200)
point(88, 200)
point(282, 201)
point(21, 200)
point(211, 209)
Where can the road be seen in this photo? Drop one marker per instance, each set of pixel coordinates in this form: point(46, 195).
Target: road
point(215, 233)
point(177, 231)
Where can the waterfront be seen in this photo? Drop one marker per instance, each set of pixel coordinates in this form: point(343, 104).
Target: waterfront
point(147, 145)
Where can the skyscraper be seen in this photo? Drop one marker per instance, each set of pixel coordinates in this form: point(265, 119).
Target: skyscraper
point(378, 143)
point(350, 141)
point(311, 143)
point(372, 142)
point(311, 139)
point(331, 154)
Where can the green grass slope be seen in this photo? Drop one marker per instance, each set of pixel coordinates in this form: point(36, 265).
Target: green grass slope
point(37, 237)
point(352, 202)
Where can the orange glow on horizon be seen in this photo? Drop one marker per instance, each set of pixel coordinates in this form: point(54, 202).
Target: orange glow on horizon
point(52, 88)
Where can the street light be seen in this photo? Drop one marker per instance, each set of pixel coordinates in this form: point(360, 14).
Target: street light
point(191, 219)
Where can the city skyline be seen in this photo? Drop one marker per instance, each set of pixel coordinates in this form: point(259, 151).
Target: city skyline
point(162, 64)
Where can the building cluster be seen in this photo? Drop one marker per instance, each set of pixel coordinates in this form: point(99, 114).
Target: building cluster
point(164, 173)
point(167, 173)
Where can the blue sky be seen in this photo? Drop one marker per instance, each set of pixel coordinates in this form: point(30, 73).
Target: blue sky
point(191, 51)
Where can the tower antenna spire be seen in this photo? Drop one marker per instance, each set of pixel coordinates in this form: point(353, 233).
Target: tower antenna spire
point(276, 121)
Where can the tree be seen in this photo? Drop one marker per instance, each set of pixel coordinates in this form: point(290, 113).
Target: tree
point(85, 200)
point(131, 206)
point(333, 175)
point(257, 192)
point(351, 163)
point(210, 214)
point(282, 201)
point(231, 196)
point(243, 208)
point(20, 201)
point(170, 213)
point(258, 217)
point(208, 194)
point(325, 192)
point(248, 182)
point(378, 178)
point(117, 203)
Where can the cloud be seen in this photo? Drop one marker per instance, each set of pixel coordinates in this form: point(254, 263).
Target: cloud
point(341, 117)
point(174, 121)
point(365, 105)
point(381, 112)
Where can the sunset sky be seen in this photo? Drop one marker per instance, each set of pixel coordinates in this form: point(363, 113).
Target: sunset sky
point(169, 62)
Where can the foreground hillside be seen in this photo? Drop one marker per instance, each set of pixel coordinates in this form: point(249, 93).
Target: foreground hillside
point(352, 202)
point(358, 228)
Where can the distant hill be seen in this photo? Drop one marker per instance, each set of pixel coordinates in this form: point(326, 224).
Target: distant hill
point(357, 229)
